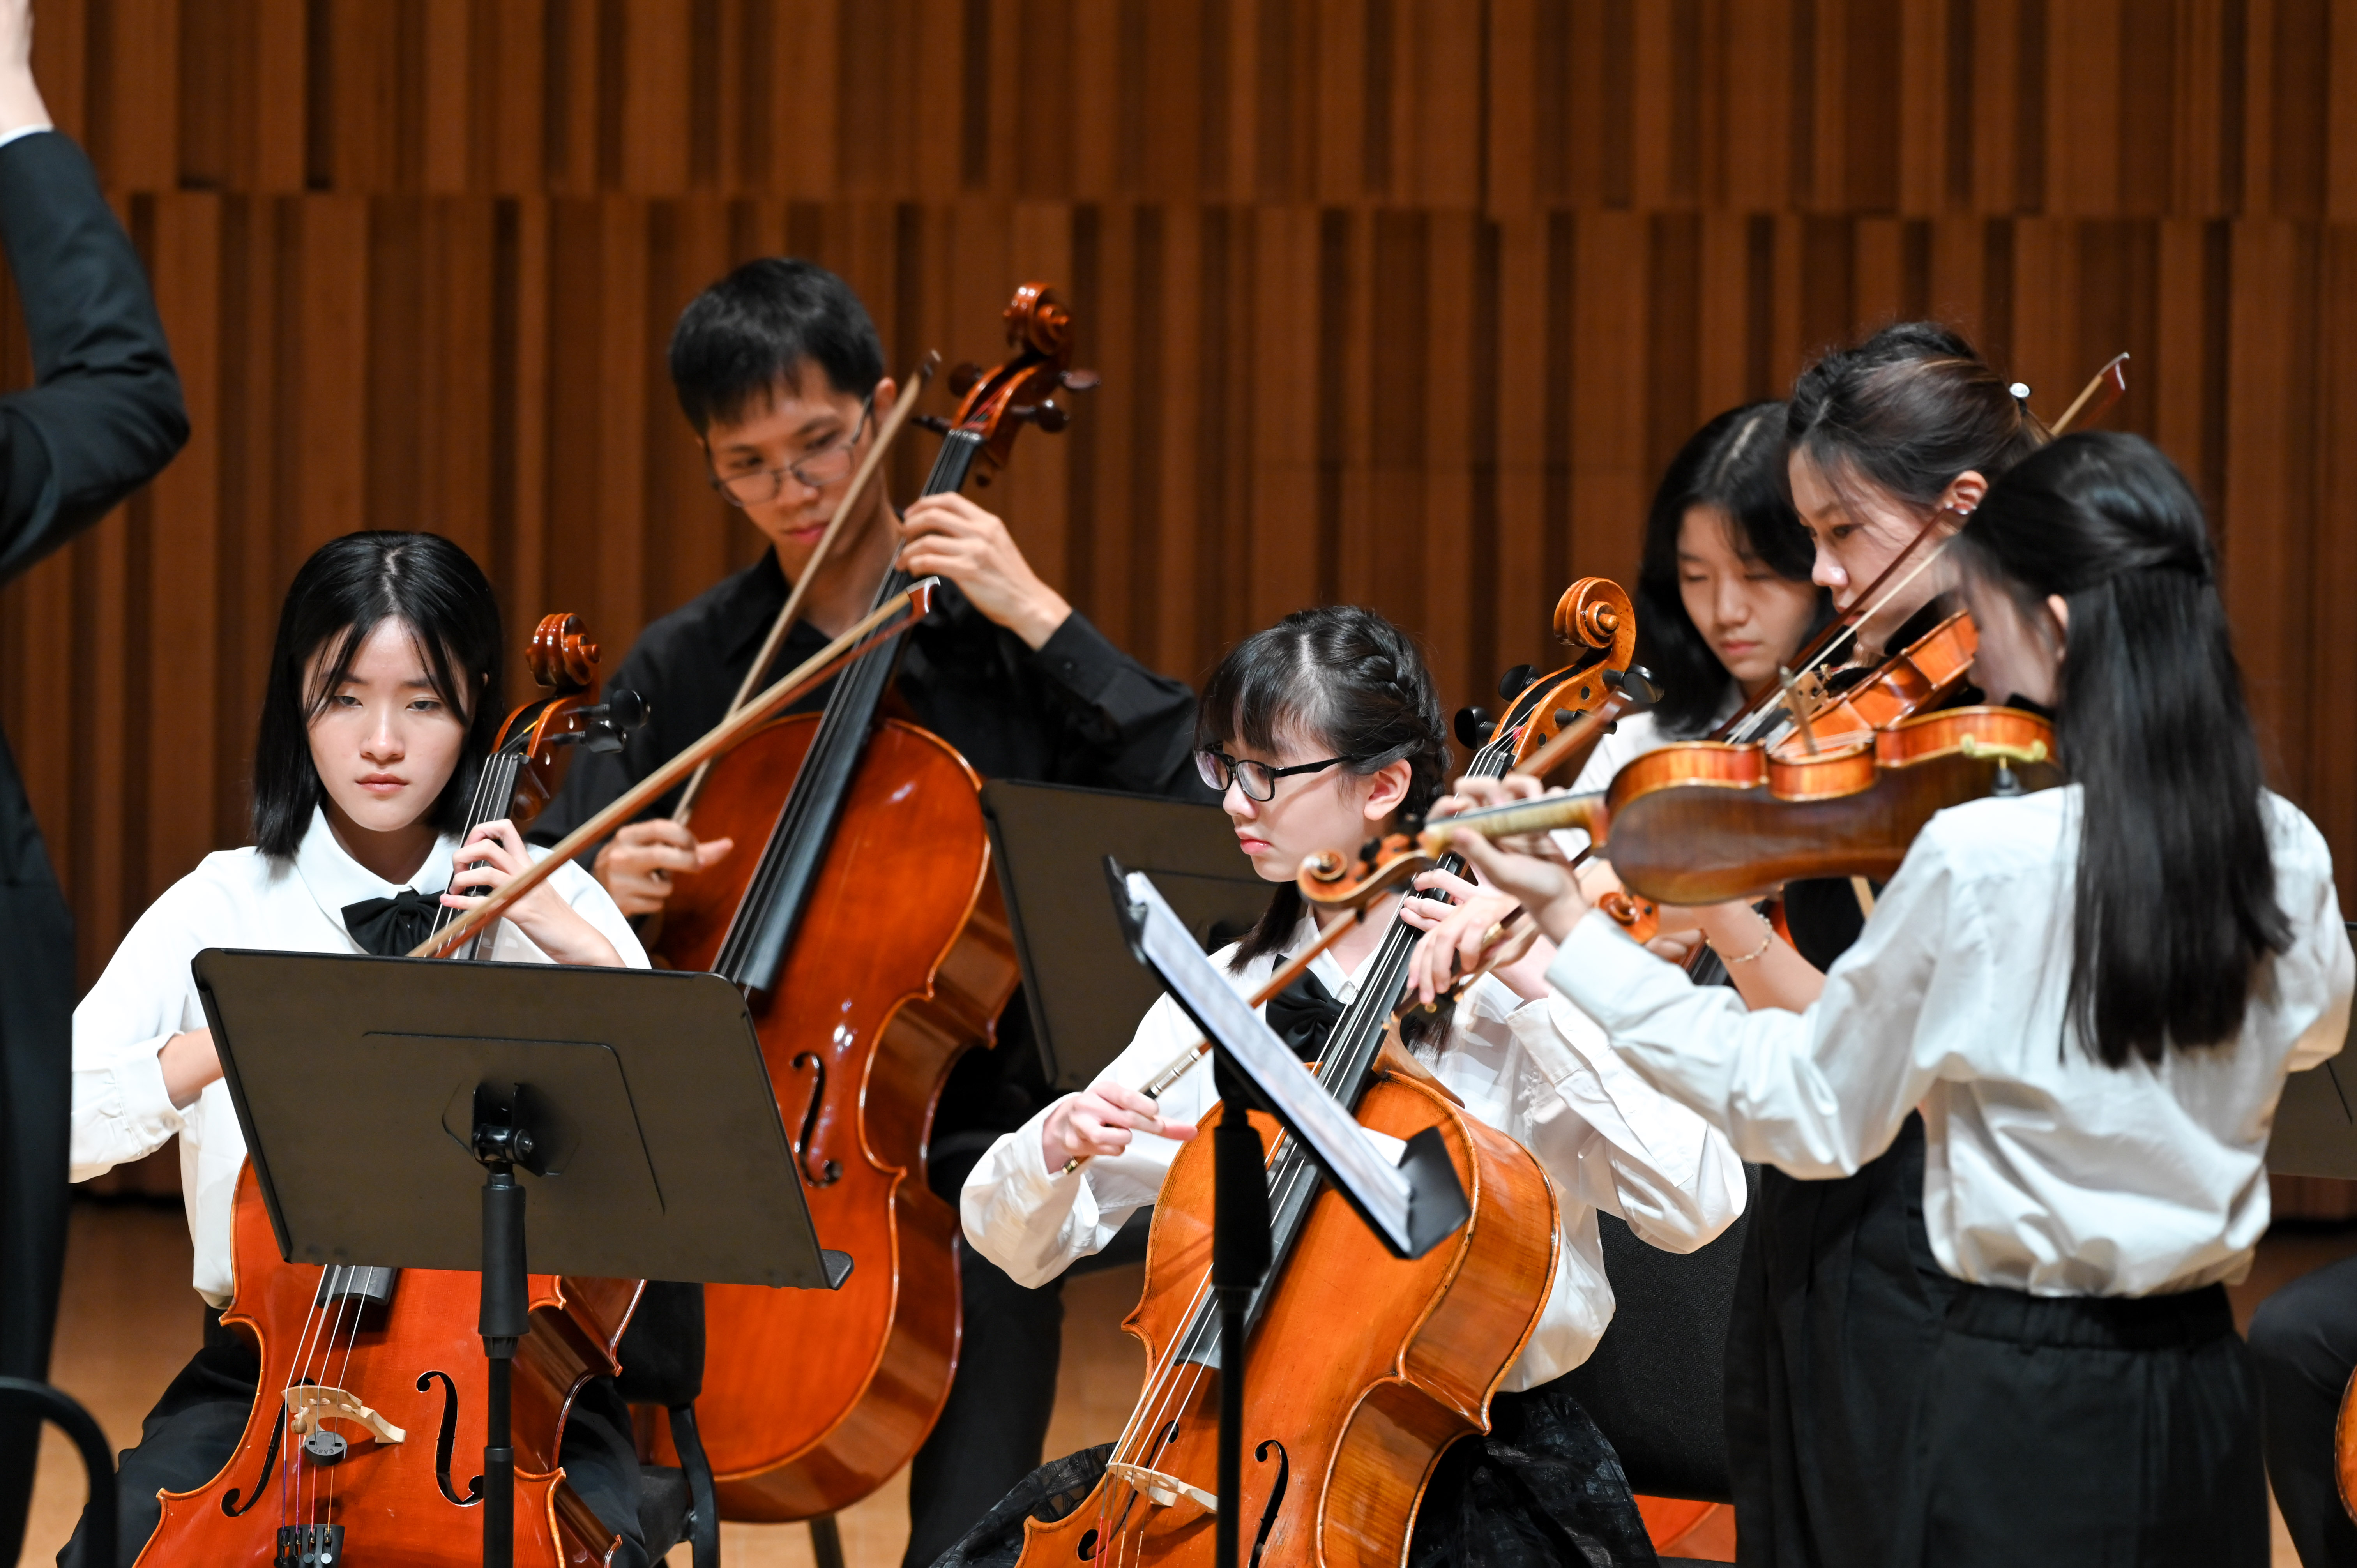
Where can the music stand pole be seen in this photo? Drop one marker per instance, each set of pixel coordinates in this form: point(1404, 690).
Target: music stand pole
point(1240, 1259)
point(505, 1317)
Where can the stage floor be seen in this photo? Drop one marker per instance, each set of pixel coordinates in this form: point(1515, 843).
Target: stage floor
point(129, 1321)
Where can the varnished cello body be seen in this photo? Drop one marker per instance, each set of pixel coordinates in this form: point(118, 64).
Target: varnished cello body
point(416, 1502)
point(867, 934)
point(1364, 1370)
point(811, 1399)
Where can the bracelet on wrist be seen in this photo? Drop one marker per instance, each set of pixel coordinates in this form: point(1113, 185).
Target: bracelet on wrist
point(1767, 940)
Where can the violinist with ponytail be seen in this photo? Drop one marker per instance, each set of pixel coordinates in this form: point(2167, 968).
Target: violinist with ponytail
point(1326, 729)
point(2095, 993)
point(382, 703)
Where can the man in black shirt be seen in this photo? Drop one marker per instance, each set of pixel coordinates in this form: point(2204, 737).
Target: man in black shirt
point(780, 372)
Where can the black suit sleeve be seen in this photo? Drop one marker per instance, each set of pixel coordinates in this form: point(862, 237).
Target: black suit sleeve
point(106, 414)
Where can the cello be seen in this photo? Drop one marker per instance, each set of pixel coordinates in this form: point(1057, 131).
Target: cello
point(1360, 1367)
point(871, 944)
point(374, 1380)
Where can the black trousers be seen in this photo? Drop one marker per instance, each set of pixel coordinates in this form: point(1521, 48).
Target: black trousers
point(1838, 1310)
point(995, 1425)
point(2304, 1338)
point(37, 999)
point(194, 1428)
point(2089, 1431)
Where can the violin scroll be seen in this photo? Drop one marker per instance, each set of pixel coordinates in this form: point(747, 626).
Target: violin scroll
point(1332, 880)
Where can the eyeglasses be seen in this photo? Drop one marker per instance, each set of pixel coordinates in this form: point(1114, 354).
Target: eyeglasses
point(815, 470)
point(1256, 779)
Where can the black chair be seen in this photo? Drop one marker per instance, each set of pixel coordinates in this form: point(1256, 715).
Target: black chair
point(1656, 1386)
point(662, 1365)
point(97, 1460)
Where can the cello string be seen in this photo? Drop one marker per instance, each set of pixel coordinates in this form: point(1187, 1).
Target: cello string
point(1287, 1170)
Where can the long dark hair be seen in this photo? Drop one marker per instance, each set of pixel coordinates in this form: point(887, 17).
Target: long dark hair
point(1345, 679)
point(2176, 890)
point(340, 597)
point(1909, 410)
point(1735, 465)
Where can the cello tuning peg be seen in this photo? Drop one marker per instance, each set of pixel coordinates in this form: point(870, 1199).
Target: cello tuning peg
point(1050, 415)
point(1474, 726)
point(1081, 381)
point(1511, 684)
point(932, 421)
point(963, 377)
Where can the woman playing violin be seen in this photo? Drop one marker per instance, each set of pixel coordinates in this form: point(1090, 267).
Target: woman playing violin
point(2096, 994)
point(1839, 1296)
point(1324, 729)
point(380, 706)
point(1723, 603)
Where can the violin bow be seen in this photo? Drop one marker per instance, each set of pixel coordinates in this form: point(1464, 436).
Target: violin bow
point(905, 405)
point(1176, 1068)
point(2111, 383)
point(886, 620)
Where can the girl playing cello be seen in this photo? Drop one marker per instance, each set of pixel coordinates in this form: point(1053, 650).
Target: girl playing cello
point(2095, 993)
point(380, 706)
point(1323, 730)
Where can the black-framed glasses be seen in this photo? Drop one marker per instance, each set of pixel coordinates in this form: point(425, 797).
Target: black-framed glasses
point(830, 464)
point(1256, 779)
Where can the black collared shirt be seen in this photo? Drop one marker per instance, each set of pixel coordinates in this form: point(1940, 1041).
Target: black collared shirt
point(1078, 711)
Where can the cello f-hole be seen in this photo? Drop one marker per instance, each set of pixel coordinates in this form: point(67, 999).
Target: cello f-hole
point(826, 1172)
point(1275, 1494)
point(261, 1482)
point(449, 1439)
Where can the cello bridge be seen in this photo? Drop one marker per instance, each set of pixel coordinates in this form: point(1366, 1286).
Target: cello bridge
point(1163, 1491)
point(308, 1404)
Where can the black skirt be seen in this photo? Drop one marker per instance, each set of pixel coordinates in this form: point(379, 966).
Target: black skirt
point(1836, 1316)
point(2091, 1431)
point(1542, 1488)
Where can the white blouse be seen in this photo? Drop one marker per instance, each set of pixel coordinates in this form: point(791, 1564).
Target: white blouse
point(238, 898)
point(1535, 1070)
point(2044, 1170)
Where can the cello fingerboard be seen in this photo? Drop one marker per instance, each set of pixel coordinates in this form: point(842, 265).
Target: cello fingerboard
point(344, 1287)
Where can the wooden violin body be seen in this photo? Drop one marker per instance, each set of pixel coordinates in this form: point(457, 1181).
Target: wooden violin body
point(418, 1366)
point(1703, 823)
point(812, 1399)
point(1363, 1369)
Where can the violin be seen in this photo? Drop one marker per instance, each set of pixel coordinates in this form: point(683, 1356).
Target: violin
point(869, 937)
point(1693, 826)
point(1345, 1426)
point(372, 1392)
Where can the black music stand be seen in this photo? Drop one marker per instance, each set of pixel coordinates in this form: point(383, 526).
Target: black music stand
point(1412, 1206)
point(1050, 839)
point(636, 1102)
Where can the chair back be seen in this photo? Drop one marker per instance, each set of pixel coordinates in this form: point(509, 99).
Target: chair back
point(64, 1411)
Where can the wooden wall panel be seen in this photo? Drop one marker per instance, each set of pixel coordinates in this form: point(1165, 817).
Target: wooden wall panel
point(1405, 301)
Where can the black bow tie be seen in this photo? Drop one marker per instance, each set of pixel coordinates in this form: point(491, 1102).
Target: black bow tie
point(1303, 1014)
point(390, 927)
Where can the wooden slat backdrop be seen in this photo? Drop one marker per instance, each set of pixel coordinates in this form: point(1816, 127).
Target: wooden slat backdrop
point(1397, 302)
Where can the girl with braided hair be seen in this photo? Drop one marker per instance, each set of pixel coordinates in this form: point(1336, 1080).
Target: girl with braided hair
point(1324, 730)
point(2093, 994)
